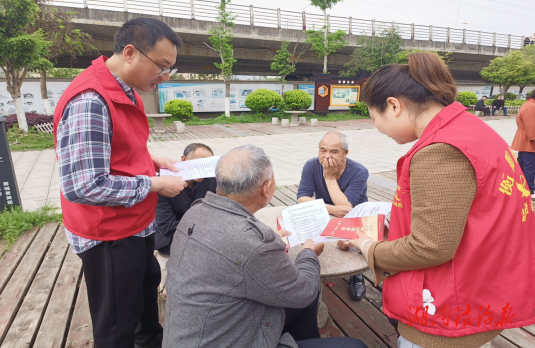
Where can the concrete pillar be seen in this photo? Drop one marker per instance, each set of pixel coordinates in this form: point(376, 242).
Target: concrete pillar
point(373, 27)
point(160, 7)
point(125, 6)
point(304, 21)
point(448, 34)
point(192, 9)
point(464, 36)
point(285, 123)
point(493, 39)
point(251, 12)
point(479, 38)
point(279, 18)
point(314, 122)
point(430, 33)
point(412, 31)
point(350, 25)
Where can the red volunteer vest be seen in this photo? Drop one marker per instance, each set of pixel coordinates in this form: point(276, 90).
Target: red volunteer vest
point(489, 284)
point(129, 157)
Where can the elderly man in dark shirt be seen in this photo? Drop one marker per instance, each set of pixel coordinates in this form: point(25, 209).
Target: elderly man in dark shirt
point(169, 211)
point(499, 104)
point(340, 182)
point(480, 106)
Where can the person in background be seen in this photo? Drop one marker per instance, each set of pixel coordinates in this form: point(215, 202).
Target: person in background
point(109, 185)
point(499, 104)
point(524, 141)
point(459, 190)
point(480, 106)
point(231, 283)
point(340, 182)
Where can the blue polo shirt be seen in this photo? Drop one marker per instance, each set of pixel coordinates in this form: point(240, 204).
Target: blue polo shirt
point(352, 182)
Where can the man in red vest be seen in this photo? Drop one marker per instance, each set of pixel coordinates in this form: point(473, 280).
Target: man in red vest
point(109, 185)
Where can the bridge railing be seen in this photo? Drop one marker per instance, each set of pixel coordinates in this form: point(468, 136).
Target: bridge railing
point(276, 18)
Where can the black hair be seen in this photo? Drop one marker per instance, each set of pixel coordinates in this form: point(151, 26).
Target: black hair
point(426, 78)
point(143, 33)
point(532, 95)
point(194, 146)
point(485, 97)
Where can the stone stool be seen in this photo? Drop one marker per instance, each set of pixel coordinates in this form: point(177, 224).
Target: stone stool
point(285, 123)
point(314, 122)
point(274, 121)
point(302, 120)
point(180, 127)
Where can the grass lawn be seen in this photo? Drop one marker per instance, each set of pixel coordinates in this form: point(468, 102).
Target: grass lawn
point(33, 140)
point(260, 118)
point(15, 221)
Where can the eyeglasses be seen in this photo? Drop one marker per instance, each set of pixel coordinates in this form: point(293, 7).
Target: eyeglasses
point(164, 71)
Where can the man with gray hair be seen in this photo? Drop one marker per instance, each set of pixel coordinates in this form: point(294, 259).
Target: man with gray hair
point(340, 181)
point(230, 282)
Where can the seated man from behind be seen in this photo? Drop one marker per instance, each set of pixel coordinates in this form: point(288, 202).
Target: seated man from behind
point(230, 282)
point(340, 181)
point(480, 106)
point(169, 211)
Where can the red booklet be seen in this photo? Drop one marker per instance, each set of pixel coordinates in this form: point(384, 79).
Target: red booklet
point(372, 226)
point(280, 226)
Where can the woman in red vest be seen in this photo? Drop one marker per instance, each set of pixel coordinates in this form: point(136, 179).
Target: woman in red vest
point(459, 264)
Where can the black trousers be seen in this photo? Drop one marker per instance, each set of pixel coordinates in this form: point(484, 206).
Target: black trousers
point(302, 324)
point(122, 279)
point(486, 111)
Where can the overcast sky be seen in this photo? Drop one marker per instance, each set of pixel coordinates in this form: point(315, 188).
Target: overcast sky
point(501, 16)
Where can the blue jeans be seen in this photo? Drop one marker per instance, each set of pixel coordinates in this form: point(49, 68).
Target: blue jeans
point(496, 109)
point(527, 164)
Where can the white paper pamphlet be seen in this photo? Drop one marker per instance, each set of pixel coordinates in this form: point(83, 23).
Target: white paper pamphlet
point(305, 221)
point(370, 209)
point(194, 169)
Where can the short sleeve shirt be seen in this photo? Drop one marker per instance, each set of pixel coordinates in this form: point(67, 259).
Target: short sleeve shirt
point(352, 182)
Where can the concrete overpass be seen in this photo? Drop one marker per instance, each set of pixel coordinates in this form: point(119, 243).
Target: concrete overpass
point(258, 33)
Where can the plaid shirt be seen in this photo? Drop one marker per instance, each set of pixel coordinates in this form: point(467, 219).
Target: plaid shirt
point(84, 137)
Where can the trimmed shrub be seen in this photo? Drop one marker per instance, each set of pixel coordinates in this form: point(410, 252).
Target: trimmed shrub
point(180, 109)
point(508, 96)
point(263, 100)
point(31, 117)
point(360, 109)
point(466, 98)
point(517, 102)
point(297, 100)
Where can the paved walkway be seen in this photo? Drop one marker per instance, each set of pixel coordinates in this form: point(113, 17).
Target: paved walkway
point(37, 172)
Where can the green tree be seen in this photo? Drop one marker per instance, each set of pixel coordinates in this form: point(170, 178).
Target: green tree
point(221, 38)
point(323, 42)
point(284, 62)
point(374, 52)
point(66, 40)
point(63, 72)
point(20, 51)
point(508, 70)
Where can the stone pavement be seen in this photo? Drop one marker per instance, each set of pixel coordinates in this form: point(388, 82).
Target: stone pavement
point(37, 172)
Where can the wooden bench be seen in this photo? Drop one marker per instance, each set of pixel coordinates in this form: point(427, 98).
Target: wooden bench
point(158, 121)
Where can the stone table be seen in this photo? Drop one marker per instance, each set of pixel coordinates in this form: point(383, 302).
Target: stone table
point(334, 262)
point(158, 121)
point(295, 117)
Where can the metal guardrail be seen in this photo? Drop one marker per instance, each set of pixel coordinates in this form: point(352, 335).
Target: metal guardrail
point(277, 18)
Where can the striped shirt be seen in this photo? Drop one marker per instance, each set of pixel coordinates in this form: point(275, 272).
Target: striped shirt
point(84, 137)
